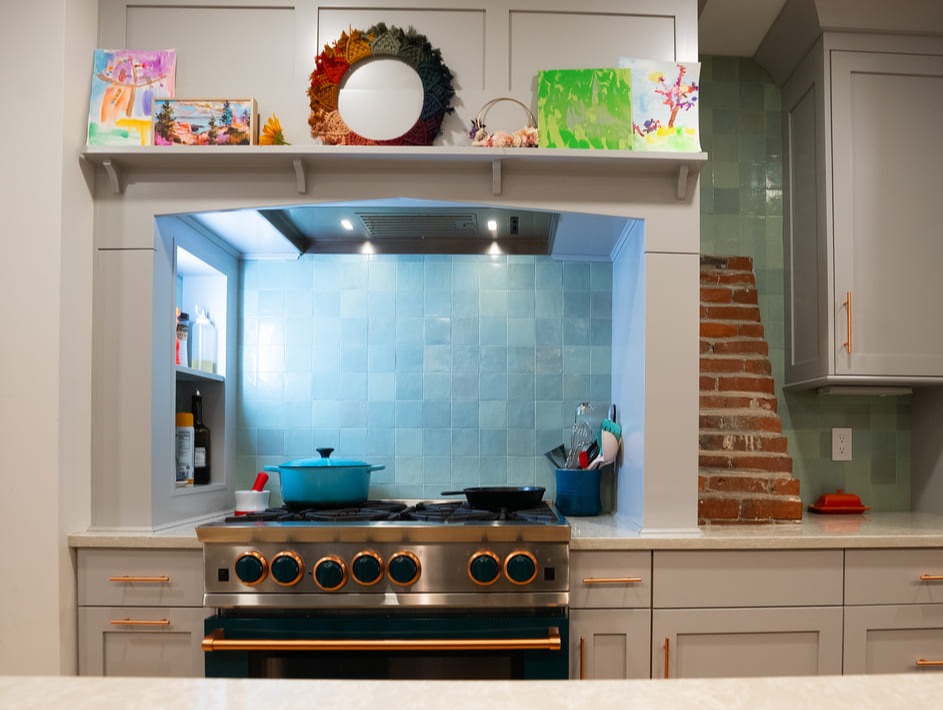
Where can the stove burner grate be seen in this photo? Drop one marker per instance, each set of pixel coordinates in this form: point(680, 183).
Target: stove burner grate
point(366, 512)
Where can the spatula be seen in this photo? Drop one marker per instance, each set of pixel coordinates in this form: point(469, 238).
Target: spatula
point(610, 449)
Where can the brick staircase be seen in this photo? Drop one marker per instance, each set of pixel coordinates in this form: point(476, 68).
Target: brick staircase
point(745, 472)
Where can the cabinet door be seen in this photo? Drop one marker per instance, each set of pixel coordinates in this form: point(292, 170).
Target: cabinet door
point(887, 173)
point(165, 641)
point(894, 639)
point(609, 643)
point(726, 643)
point(617, 579)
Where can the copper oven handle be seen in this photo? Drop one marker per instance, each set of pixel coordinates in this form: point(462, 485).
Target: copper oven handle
point(847, 305)
point(667, 655)
point(127, 579)
point(931, 577)
point(215, 641)
point(612, 580)
point(582, 658)
point(141, 622)
point(924, 663)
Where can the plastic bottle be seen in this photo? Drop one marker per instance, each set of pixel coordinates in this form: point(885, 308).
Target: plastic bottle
point(204, 342)
point(183, 339)
point(184, 448)
point(201, 443)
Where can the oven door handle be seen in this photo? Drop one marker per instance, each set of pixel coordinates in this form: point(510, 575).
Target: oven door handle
point(216, 641)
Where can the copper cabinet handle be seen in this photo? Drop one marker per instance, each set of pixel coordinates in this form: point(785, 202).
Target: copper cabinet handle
point(216, 641)
point(924, 663)
point(931, 577)
point(847, 305)
point(612, 580)
point(667, 656)
point(582, 658)
point(128, 579)
point(141, 622)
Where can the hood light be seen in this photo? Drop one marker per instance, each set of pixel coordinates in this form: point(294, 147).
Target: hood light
point(347, 224)
point(367, 248)
point(494, 249)
point(493, 225)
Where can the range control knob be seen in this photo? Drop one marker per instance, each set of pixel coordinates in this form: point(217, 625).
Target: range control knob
point(287, 568)
point(367, 568)
point(520, 567)
point(330, 573)
point(484, 568)
point(404, 568)
point(251, 568)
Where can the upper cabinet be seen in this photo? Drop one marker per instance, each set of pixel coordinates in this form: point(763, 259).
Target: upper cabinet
point(863, 165)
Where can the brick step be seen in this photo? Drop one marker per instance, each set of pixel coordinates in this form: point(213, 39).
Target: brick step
point(739, 420)
point(737, 384)
point(725, 312)
point(727, 330)
point(743, 509)
point(734, 346)
point(717, 481)
point(723, 402)
point(755, 461)
point(742, 441)
point(749, 363)
point(744, 294)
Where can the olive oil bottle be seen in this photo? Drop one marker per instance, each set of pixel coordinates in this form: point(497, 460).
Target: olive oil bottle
point(201, 443)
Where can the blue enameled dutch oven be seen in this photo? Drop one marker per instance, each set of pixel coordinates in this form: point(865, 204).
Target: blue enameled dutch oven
point(324, 482)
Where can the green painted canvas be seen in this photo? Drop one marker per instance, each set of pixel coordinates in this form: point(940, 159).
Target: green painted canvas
point(585, 108)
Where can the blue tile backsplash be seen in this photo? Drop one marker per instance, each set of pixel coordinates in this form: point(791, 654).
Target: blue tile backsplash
point(452, 371)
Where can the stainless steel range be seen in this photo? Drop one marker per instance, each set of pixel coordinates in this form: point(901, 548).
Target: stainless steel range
point(424, 590)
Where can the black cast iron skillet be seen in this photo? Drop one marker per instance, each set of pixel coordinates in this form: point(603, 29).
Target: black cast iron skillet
point(498, 498)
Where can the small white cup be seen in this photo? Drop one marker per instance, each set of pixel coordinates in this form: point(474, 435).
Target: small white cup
point(251, 501)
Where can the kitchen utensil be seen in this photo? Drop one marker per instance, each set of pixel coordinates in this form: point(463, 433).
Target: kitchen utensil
point(580, 438)
point(557, 456)
point(610, 449)
point(260, 481)
point(324, 482)
point(251, 501)
point(578, 492)
point(498, 498)
point(841, 503)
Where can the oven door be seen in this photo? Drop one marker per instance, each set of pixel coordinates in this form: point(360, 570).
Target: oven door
point(383, 646)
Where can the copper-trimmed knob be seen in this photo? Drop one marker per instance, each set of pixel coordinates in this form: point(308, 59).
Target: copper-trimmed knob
point(330, 573)
point(251, 568)
point(367, 568)
point(404, 568)
point(287, 568)
point(520, 567)
point(484, 568)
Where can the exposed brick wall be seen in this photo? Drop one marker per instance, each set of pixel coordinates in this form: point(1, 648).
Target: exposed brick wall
point(745, 471)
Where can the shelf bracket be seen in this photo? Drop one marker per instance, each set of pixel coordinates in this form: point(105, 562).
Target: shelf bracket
point(114, 177)
point(683, 181)
point(301, 180)
point(496, 176)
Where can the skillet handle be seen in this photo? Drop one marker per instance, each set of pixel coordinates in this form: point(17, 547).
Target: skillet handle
point(452, 493)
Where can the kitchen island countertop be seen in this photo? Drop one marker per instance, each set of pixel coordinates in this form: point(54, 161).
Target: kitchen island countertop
point(612, 532)
point(835, 692)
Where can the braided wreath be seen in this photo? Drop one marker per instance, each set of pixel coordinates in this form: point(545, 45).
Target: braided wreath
point(332, 65)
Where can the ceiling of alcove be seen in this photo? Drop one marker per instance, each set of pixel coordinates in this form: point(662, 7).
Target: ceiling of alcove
point(406, 226)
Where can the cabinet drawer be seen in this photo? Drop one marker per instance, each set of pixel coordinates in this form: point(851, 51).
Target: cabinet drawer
point(747, 578)
point(113, 577)
point(610, 579)
point(894, 576)
point(894, 639)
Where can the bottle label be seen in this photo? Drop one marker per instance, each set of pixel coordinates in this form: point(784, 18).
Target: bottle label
point(199, 457)
point(184, 441)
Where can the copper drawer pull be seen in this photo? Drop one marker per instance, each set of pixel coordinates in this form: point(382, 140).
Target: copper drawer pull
point(612, 580)
point(847, 305)
point(924, 663)
point(128, 579)
point(141, 622)
point(582, 658)
point(667, 656)
point(216, 641)
point(931, 577)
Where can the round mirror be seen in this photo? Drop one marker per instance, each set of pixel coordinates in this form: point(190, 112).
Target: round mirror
point(380, 98)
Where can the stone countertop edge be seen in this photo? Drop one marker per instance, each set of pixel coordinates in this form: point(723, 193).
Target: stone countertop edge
point(834, 692)
point(612, 532)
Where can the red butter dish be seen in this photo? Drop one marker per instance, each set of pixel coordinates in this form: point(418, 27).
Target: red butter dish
point(839, 502)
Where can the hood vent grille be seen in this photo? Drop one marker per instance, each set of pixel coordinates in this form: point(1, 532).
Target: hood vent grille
point(405, 226)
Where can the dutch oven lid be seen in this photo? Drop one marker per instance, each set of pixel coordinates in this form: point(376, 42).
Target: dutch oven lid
point(324, 462)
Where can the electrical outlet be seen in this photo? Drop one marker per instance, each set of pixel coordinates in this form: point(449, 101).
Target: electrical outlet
point(841, 444)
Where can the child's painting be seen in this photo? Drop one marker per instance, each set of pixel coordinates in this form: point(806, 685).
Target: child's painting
point(205, 122)
point(664, 104)
point(585, 108)
point(125, 83)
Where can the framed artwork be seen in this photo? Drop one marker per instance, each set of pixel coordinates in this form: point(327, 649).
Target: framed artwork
point(585, 108)
point(125, 83)
point(205, 122)
point(665, 99)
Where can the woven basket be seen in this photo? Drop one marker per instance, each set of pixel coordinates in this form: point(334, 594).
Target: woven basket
point(525, 137)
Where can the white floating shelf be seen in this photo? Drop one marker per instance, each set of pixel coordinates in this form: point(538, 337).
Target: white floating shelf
point(298, 161)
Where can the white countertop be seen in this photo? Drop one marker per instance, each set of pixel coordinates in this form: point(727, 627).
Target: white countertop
point(610, 532)
point(833, 692)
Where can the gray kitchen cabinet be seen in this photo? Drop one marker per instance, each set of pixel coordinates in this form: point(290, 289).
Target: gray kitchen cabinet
point(140, 612)
point(893, 611)
point(863, 168)
point(741, 613)
point(610, 614)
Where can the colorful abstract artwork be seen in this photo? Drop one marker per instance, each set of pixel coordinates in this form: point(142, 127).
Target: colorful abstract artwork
point(125, 83)
point(205, 122)
point(585, 108)
point(664, 104)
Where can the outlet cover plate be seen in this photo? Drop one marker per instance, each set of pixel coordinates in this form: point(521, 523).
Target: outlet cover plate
point(841, 444)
